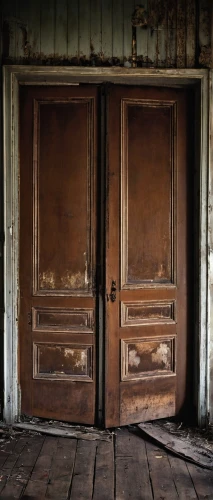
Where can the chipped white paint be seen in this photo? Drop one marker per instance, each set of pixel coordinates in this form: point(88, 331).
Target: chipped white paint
point(73, 281)
point(28, 75)
point(162, 355)
point(134, 360)
point(48, 280)
point(210, 263)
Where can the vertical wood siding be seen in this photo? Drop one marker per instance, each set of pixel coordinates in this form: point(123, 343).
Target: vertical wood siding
point(99, 32)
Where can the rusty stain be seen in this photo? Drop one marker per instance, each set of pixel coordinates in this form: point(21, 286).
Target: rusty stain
point(205, 57)
point(181, 34)
point(139, 16)
point(25, 43)
point(156, 13)
point(176, 17)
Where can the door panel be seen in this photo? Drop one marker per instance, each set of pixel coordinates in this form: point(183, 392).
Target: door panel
point(147, 324)
point(58, 151)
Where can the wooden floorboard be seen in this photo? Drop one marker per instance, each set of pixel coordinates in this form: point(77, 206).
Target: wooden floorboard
point(182, 479)
point(104, 472)
point(161, 477)
point(132, 473)
point(35, 467)
point(202, 480)
point(83, 476)
point(61, 469)
point(18, 467)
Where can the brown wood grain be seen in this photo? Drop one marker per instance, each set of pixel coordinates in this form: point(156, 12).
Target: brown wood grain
point(104, 472)
point(141, 470)
point(183, 481)
point(160, 473)
point(149, 219)
point(58, 150)
point(132, 474)
point(83, 475)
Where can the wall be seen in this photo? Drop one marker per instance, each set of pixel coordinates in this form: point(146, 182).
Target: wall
point(99, 32)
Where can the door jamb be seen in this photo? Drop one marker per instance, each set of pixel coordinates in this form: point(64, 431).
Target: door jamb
point(13, 76)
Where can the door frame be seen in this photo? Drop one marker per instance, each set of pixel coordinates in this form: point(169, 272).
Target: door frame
point(201, 80)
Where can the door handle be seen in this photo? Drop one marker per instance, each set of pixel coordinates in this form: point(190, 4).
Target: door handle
point(112, 295)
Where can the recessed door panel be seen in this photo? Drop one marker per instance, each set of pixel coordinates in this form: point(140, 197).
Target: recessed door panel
point(148, 175)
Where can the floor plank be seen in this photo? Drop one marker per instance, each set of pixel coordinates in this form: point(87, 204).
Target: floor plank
point(202, 480)
point(104, 472)
point(6, 450)
point(15, 453)
point(35, 490)
point(182, 479)
point(16, 483)
point(19, 465)
point(82, 483)
point(36, 467)
point(132, 475)
point(37, 485)
point(160, 473)
point(43, 464)
point(30, 452)
point(62, 469)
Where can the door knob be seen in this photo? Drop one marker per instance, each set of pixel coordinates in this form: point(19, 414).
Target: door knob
point(112, 295)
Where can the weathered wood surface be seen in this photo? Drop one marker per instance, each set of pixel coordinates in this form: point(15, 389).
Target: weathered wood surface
point(178, 33)
point(178, 446)
point(37, 467)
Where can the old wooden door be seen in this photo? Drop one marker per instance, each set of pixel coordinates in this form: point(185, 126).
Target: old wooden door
point(58, 149)
point(147, 254)
point(145, 251)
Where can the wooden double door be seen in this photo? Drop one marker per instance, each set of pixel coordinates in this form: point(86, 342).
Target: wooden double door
point(105, 318)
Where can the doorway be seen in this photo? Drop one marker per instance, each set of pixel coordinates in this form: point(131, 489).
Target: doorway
point(125, 249)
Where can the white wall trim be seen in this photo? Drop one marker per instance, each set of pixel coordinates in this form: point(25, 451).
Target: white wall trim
point(210, 251)
point(36, 75)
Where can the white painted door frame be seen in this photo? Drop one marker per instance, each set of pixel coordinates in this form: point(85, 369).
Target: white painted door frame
point(35, 75)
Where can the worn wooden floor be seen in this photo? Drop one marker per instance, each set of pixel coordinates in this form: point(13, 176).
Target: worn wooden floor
point(128, 467)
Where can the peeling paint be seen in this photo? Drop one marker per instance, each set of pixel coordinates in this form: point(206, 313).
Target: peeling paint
point(134, 360)
point(79, 358)
point(48, 280)
point(205, 57)
point(61, 360)
point(71, 281)
point(147, 357)
point(139, 16)
point(161, 271)
point(162, 356)
point(176, 19)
